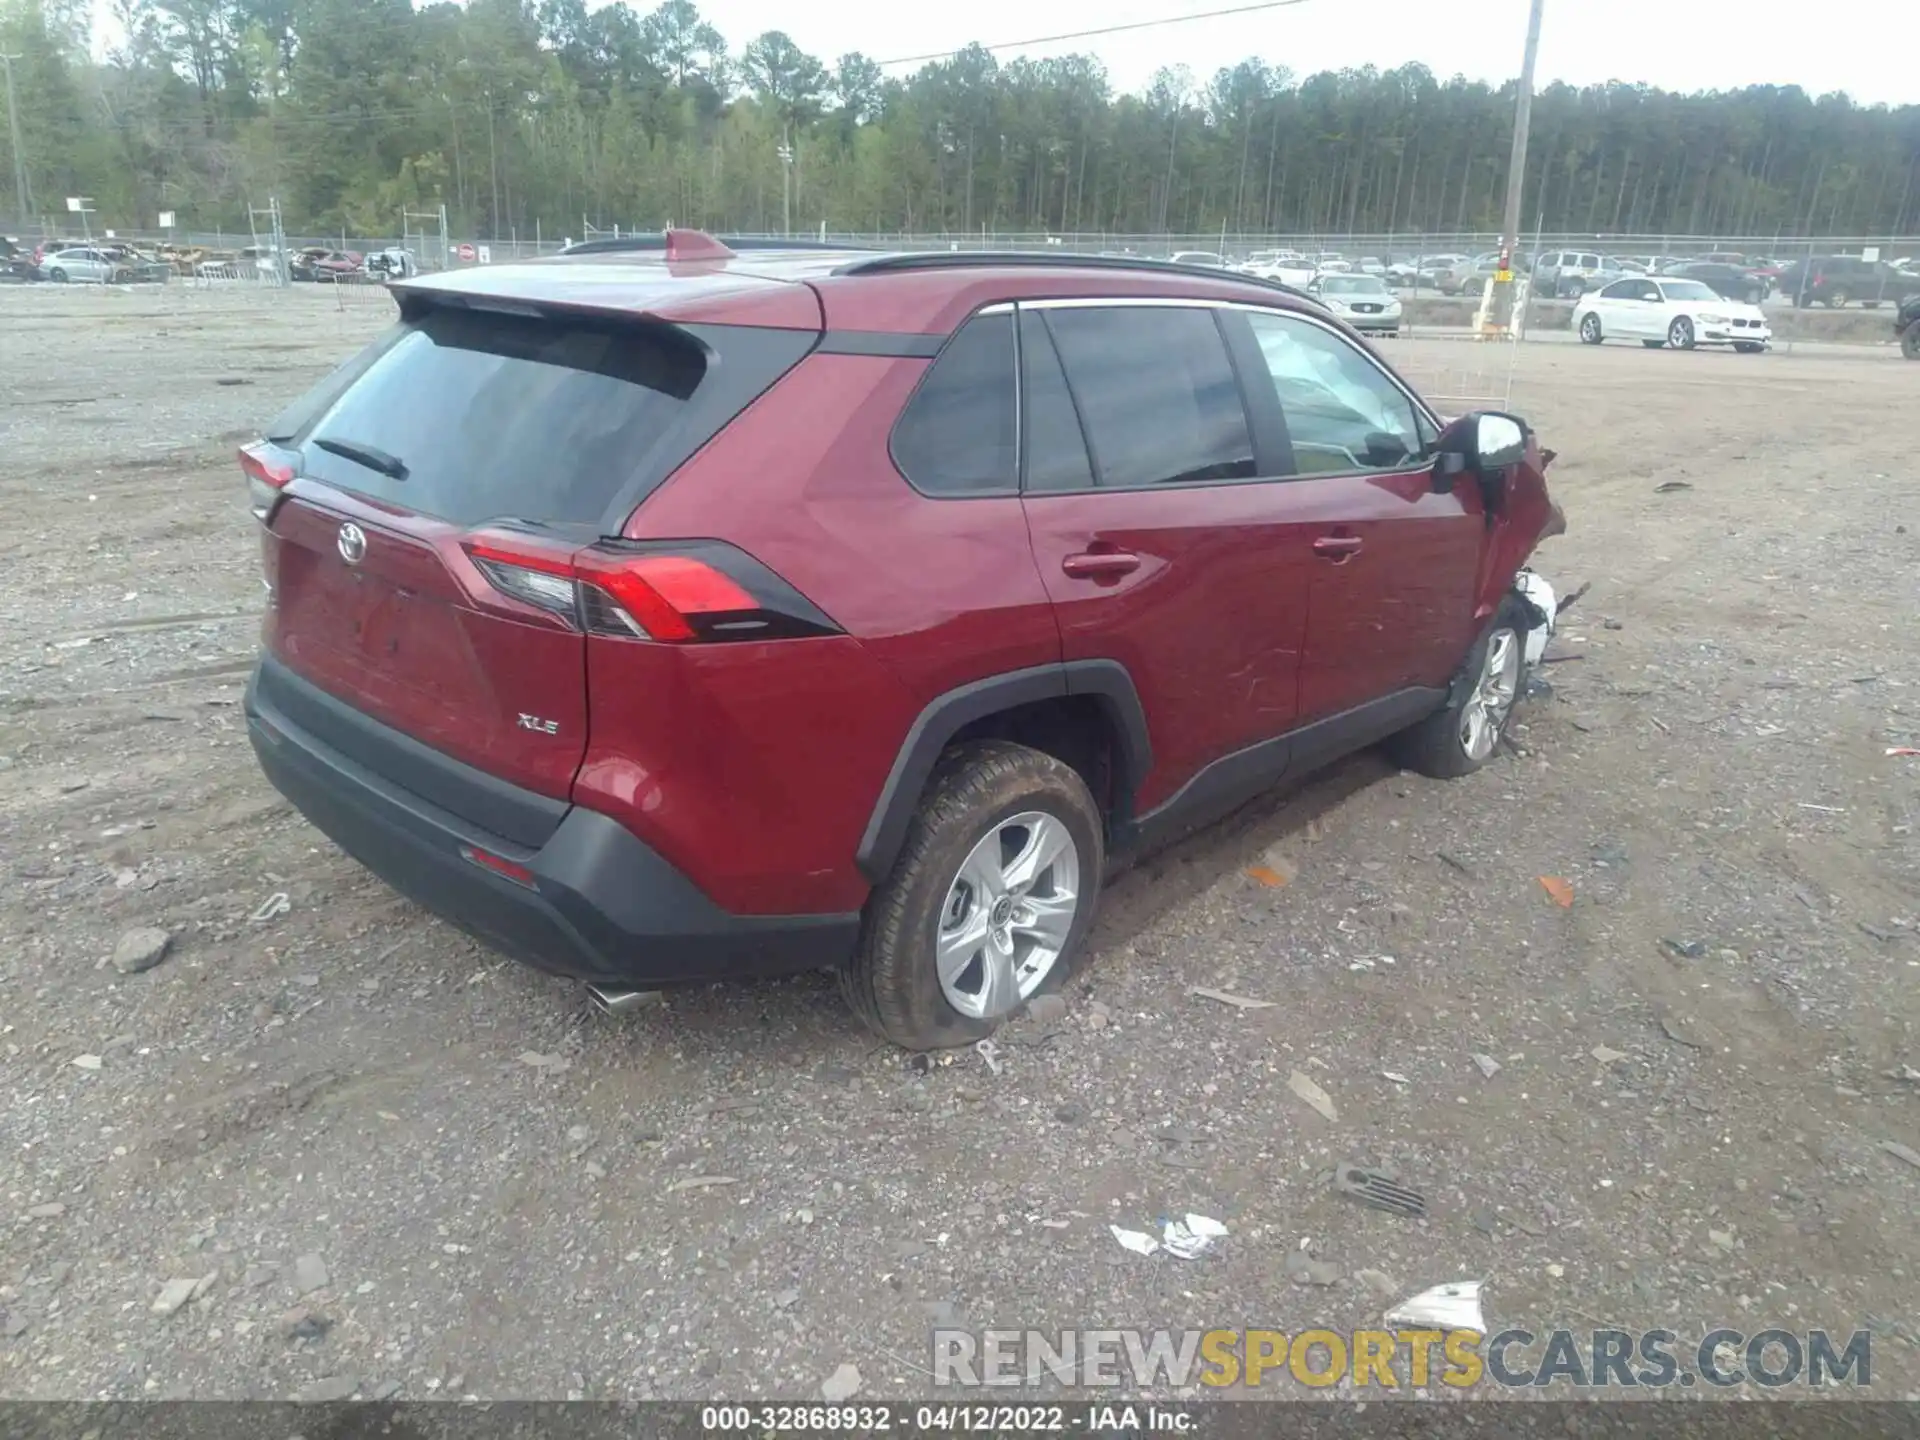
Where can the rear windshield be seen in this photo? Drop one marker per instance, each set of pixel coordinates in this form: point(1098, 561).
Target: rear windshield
point(482, 416)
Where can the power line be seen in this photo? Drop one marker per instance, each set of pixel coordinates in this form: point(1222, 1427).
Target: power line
point(1090, 34)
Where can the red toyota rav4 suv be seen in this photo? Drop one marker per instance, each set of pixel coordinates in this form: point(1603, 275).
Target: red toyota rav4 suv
point(670, 616)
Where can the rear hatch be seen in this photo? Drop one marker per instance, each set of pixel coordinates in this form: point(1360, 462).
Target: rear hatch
point(465, 433)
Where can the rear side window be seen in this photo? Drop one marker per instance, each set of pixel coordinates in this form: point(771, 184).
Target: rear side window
point(1056, 449)
point(956, 436)
point(487, 416)
point(1157, 394)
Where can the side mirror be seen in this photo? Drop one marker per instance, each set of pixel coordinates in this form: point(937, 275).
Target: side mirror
point(1483, 444)
point(1498, 441)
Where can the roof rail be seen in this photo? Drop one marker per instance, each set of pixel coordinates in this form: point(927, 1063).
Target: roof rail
point(641, 244)
point(1062, 260)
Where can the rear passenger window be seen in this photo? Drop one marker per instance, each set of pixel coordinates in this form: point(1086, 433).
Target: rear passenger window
point(956, 436)
point(1056, 449)
point(1156, 394)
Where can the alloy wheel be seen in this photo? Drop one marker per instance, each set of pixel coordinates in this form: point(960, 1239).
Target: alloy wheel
point(1492, 697)
point(1007, 915)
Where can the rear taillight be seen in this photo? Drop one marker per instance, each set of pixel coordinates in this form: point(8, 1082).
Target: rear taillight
point(700, 591)
point(268, 468)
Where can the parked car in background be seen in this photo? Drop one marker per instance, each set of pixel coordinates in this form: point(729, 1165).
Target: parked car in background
point(1198, 257)
point(141, 266)
point(1471, 279)
point(1736, 282)
point(1363, 301)
point(262, 261)
point(317, 264)
point(1568, 274)
point(392, 263)
point(540, 557)
point(1842, 279)
point(1283, 266)
point(1906, 326)
point(1662, 310)
point(84, 264)
point(1425, 272)
point(1370, 265)
point(16, 263)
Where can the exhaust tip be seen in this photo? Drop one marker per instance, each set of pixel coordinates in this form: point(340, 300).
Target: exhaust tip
point(611, 1001)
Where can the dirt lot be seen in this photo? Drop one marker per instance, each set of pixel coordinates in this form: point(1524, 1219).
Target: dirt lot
point(482, 1187)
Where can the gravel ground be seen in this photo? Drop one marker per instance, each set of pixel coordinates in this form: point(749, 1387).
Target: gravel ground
point(387, 1161)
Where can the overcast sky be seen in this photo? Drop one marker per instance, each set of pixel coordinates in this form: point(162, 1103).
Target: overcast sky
point(1865, 47)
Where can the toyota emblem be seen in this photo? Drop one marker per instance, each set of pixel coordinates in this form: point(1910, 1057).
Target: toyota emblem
point(353, 543)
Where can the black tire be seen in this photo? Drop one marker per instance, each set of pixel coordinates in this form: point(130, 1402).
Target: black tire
point(1834, 299)
point(1590, 333)
point(1653, 344)
point(1435, 746)
point(1910, 341)
point(891, 982)
point(57, 276)
point(1748, 347)
point(1680, 334)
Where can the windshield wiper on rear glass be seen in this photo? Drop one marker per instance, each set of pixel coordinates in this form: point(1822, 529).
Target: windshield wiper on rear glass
point(391, 466)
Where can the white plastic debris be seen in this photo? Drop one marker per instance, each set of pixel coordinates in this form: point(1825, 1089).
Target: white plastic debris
point(1453, 1306)
point(1135, 1240)
point(278, 903)
point(1540, 595)
point(1188, 1237)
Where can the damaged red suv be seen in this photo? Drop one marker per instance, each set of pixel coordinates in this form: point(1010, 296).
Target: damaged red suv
point(678, 613)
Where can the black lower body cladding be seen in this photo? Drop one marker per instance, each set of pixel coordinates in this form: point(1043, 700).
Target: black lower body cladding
point(602, 905)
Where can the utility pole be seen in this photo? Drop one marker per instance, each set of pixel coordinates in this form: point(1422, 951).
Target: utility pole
point(786, 181)
point(22, 192)
point(1502, 310)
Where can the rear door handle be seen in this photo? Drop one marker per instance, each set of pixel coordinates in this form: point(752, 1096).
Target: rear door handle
point(1100, 564)
point(1337, 547)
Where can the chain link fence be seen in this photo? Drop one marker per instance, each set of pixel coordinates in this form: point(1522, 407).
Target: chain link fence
point(1441, 277)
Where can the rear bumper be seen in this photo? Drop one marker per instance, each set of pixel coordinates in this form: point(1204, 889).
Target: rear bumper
point(602, 906)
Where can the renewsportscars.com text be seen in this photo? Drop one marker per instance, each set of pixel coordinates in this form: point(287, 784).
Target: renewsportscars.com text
point(1400, 1359)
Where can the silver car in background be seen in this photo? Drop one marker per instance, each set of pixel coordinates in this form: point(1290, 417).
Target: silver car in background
point(86, 265)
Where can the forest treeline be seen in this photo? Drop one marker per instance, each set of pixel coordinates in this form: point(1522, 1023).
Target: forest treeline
point(517, 114)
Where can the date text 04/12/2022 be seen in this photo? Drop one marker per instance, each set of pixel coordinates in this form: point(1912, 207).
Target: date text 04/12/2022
point(948, 1419)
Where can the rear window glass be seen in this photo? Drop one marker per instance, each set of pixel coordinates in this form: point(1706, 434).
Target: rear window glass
point(956, 436)
point(496, 416)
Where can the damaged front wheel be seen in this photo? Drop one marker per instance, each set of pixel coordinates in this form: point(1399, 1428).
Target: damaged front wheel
point(1461, 737)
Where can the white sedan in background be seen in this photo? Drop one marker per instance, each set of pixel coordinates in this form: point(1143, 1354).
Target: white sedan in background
point(1659, 311)
point(1363, 301)
point(1284, 266)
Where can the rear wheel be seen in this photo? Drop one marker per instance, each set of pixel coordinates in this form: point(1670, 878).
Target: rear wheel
point(57, 275)
point(1462, 737)
point(1835, 298)
point(988, 903)
point(1680, 334)
point(1590, 329)
point(1910, 341)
